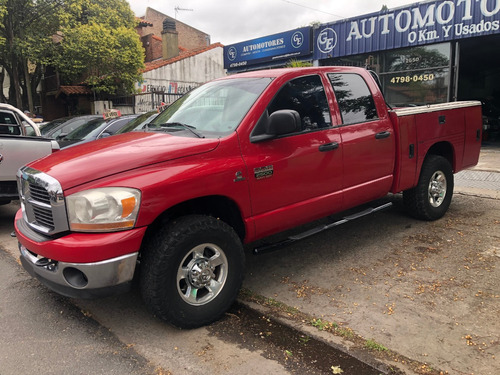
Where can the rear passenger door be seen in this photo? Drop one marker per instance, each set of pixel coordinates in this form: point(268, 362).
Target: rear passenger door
point(368, 141)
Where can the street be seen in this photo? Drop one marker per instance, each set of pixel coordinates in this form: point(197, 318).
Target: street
point(403, 295)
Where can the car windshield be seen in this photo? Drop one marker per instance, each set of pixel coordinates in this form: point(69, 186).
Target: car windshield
point(212, 110)
point(139, 122)
point(86, 130)
point(44, 129)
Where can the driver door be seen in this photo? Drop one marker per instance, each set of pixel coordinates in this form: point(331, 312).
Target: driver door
point(296, 178)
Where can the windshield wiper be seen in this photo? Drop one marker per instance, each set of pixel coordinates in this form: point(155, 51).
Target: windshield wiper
point(190, 128)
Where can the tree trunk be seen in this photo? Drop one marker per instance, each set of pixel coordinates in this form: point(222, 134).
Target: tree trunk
point(3, 99)
point(15, 73)
point(27, 81)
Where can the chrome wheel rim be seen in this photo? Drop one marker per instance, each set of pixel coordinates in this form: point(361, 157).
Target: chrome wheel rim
point(437, 189)
point(202, 274)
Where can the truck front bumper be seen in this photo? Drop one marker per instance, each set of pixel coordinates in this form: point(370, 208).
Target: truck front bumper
point(81, 280)
point(80, 265)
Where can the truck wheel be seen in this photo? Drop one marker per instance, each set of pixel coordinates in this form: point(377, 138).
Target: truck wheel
point(430, 199)
point(192, 270)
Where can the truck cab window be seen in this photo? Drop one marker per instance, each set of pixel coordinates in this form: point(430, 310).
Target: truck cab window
point(353, 97)
point(305, 95)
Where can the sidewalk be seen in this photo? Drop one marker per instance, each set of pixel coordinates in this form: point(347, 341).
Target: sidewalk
point(484, 178)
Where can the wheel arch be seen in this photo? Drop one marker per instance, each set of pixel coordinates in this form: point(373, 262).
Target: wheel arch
point(444, 149)
point(217, 206)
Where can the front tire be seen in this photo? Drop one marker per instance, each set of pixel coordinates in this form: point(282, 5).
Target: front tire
point(192, 270)
point(431, 198)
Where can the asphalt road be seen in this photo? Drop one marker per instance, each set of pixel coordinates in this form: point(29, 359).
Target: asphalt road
point(41, 333)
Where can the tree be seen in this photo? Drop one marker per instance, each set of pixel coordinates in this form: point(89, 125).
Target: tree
point(100, 46)
point(26, 28)
point(88, 41)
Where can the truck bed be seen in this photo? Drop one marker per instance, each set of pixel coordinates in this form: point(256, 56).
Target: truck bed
point(455, 127)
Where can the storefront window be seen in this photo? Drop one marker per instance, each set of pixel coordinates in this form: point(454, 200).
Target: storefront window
point(416, 76)
point(368, 61)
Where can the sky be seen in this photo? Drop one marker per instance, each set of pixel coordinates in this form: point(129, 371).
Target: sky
point(234, 21)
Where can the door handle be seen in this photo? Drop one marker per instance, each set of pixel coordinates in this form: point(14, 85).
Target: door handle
point(329, 147)
point(382, 135)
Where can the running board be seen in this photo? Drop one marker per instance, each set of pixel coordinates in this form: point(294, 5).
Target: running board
point(268, 247)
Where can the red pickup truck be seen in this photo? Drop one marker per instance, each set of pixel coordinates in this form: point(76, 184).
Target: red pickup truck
point(233, 161)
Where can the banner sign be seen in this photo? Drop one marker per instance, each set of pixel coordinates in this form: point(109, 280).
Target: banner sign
point(418, 24)
point(286, 45)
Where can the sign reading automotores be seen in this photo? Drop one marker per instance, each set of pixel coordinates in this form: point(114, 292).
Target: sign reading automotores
point(418, 24)
point(286, 45)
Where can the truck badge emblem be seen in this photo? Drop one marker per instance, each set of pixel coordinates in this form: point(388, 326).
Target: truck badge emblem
point(263, 172)
point(238, 176)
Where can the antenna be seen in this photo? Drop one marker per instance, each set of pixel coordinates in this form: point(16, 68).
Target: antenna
point(178, 8)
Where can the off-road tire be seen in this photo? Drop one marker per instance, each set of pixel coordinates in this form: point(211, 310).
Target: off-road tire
point(170, 291)
point(431, 198)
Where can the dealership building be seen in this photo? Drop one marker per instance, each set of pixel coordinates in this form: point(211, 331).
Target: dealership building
point(427, 52)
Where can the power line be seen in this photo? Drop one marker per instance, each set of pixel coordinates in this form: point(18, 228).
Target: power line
point(316, 10)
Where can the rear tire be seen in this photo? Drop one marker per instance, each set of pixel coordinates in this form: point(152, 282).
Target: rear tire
point(192, 270)
point(430, 199)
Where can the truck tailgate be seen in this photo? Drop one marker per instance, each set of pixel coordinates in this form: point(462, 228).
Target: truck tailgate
point(17, 151)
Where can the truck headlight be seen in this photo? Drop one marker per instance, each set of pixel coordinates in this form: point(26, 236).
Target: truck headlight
point(103, 210)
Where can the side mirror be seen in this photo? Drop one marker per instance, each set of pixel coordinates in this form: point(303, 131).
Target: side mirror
point(105, 135)
point(284, 121)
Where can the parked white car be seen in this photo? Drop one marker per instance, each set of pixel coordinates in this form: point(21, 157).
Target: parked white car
point(20, 143)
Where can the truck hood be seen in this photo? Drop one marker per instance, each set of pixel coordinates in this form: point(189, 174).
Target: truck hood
point(93, 160)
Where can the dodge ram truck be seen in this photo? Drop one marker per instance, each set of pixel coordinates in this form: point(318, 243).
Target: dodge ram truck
point(233, 161)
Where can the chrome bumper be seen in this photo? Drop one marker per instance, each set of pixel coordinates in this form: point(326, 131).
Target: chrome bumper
point(82, 280)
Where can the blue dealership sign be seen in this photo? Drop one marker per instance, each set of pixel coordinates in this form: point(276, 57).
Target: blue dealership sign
point(286, 45)
point(418, 24)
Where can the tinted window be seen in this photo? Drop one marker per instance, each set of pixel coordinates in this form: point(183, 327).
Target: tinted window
point(353, 97)
point(305, 95)
point(11, 130)
point(117, 125)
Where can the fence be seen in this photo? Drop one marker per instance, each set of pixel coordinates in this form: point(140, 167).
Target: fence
point(145, 102)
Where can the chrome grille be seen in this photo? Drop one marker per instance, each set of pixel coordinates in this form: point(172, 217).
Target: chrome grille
point(44, 217)
point(42, 201)
point(39, 193)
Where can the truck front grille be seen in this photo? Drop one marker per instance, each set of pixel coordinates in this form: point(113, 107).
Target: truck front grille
point(44, 217)
point(42, 201)
point(39, 193)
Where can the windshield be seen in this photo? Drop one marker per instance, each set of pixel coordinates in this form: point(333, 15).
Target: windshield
point(139, 122)
point(213, 110)
point(85, 130)
point(44, 129)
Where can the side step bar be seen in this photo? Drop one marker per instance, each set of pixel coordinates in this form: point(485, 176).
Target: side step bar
point(273, 246)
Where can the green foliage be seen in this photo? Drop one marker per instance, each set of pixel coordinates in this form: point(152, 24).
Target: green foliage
point(372, 345)
point(107, 59)
point(298, 64)
point(100, 46)
point(87, 41)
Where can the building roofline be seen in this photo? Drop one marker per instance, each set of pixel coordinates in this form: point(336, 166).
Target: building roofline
point(152, 65)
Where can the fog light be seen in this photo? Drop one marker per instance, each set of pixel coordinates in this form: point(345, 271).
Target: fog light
point(75, 277)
